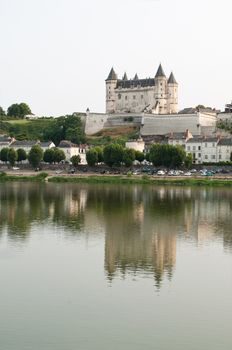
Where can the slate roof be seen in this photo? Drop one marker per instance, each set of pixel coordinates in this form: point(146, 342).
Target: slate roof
point(136, 77)
point(203, 139)
point(124, 76)
point(172, 79)
point(160, 72)
point(24, 143)
point(5, 138)
point(45, 144)
point(66, 144)
point(127, 84)
point(225, 142)
point(112, 75)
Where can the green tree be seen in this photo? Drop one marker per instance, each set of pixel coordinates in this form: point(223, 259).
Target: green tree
point(75, 135)
point(35, 156)
point(99, 151)
point(128, 156)
point(12, 156)
point(113, 154)
point(49, 156)
point(18, 110)
point(22, 155)
point(139, 156)
point(92, 157)
point(4, 154)
point(59, 155)
point(188, 160)
point(2, 112)
point(167, 155)
point(75, 160)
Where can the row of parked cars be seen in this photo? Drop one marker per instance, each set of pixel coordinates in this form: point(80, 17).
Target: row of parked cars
point(174, 172)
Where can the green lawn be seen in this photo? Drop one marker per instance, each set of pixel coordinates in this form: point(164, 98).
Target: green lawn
point(17, 121)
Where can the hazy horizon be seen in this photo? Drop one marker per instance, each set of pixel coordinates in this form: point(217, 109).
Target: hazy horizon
point(56, 54)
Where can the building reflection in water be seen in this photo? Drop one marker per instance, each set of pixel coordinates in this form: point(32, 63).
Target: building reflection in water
point(140, 225)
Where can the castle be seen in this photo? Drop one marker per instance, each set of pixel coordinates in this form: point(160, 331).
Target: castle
point(157, 95)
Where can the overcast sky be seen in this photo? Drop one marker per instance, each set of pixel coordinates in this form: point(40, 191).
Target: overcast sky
point(56, 54)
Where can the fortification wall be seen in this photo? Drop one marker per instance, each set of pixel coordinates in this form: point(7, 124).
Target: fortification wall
point(95, 122)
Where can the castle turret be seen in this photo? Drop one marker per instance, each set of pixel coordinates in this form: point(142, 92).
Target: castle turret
point(136, 77)
point(172, 95)
point(124, 77)
point(111, 84)
point(161, 90)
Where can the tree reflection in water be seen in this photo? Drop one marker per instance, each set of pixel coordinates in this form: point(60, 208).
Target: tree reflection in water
point(141, 224)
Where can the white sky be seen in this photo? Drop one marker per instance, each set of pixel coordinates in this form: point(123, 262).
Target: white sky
point(56, 54)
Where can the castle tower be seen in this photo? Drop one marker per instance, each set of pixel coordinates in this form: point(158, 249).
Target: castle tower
point(111, 84)
point(161, 90)
point(172, 95)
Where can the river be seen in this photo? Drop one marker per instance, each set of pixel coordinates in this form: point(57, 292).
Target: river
point(115, 267)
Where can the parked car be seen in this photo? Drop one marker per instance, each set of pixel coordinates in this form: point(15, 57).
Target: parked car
point(15, 168)
point(188, 173)
point(71, 171)
point(161, 172)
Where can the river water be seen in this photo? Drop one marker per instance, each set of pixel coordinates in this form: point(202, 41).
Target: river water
point(115, 267)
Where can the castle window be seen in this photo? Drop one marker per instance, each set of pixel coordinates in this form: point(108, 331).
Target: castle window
point(134, 97)
point(119, 96)
point(141, 97)
point(125, 97)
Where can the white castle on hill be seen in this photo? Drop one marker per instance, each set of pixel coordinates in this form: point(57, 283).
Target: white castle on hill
point(157, 95)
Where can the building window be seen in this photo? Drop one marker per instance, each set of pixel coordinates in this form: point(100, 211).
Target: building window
point(213, 156)
point(199, 155)
point(199, 148)
point(188, 148)
point(205, 144)
point(220, 156)
point(141, 97)
point(194, 148)
point(119, 96)
point(206, 157)
point(125, 97)
point(213, 144)
point(134, 97)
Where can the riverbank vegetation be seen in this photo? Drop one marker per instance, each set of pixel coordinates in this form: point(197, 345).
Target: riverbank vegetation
point(118, 179)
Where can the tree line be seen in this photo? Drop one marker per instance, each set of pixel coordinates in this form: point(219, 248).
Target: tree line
point(35, 156)
point(16, 110)
point(159, 155)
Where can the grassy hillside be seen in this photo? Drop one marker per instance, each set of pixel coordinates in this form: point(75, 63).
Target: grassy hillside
point(23, 129)
point(117, 134)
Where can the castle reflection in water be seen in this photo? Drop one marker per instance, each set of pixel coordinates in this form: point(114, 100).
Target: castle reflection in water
point(140, 225)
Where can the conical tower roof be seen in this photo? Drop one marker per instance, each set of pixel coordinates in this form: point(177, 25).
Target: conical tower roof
point(160, 72)
point(172, 79)
point(112, 75)
point(125, 76)
point(136, 77)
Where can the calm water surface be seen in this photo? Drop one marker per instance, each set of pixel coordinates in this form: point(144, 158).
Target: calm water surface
point(114, 267)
